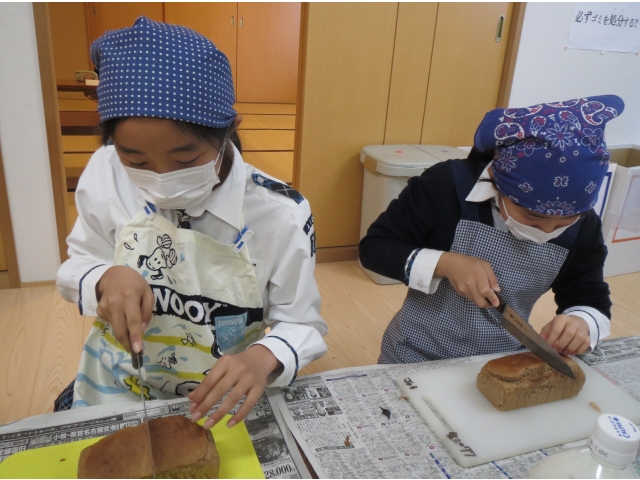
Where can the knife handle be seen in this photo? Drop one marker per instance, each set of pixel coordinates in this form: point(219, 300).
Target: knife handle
point(502, 305)
point(136, 359)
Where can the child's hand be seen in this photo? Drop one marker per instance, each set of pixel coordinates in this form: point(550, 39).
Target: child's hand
point(125, 301)
point(241, 374)
point(471, 277)
point(567, 334)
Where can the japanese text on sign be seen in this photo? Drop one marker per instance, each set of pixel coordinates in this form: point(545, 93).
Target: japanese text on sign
point(604, 27)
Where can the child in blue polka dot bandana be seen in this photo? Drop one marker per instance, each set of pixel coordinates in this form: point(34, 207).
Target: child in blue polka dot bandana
point(517, 218)
point(186, 254)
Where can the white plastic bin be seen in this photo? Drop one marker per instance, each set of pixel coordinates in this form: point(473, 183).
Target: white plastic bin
point(387, 169)
point(621, 224)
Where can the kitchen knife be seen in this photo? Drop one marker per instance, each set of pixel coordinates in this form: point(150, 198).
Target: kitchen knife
point(531, 339)
point(136, 362)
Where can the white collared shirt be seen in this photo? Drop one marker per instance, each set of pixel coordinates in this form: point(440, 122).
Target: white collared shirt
point(421, 276)
point(281, 248)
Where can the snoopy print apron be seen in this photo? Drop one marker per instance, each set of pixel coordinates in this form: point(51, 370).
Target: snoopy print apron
point(207, 303)
point(445, 324)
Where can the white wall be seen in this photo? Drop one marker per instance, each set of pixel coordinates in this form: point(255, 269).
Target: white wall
point(546, 72)
point(24, 146)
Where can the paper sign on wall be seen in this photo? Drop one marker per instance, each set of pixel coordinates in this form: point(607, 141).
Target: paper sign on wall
point(613, 27)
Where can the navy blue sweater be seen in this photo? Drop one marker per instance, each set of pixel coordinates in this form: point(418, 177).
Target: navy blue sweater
point(426, 214)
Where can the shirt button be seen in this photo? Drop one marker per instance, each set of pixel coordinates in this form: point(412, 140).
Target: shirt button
point(420, 285)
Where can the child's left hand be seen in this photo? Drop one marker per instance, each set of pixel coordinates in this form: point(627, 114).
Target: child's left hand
point(241, 374)
point(567, 334)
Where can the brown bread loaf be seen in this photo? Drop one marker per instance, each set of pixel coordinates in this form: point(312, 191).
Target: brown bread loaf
point(181, 449)
point(523, 380)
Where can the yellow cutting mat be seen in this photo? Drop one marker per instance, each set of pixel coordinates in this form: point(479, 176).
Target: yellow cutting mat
point(238, 458)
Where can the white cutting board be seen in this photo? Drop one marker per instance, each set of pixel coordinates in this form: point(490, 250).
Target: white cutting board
point(485, 434)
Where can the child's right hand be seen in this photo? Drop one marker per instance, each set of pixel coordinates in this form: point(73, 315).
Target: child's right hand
point(125, 301)
point(471, 277)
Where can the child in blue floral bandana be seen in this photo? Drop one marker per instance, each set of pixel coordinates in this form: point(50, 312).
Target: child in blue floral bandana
point(515, 217)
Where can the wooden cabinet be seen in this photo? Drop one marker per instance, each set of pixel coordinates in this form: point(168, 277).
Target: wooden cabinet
point(268, 45)
point(103, 16)
point(215, 20)
point(69, 39)
point(388, 73)
point(348, 59)
point(261, 41)
point(466, 69)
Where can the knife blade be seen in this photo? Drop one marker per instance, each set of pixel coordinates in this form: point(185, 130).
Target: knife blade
point(137, 362)
point(516, 326)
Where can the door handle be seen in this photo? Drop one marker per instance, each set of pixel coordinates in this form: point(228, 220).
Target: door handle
point(242, 21)
point(233, 20)
point(499, 28)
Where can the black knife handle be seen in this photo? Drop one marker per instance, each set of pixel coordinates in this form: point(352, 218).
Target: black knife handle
point(502, 305)
point(136, 359)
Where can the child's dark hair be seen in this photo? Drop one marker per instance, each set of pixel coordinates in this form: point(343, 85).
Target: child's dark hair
point(214, 136)
point(483, 158)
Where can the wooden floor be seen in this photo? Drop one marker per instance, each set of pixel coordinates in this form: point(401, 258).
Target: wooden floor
point(41, 335)
point(267, 135)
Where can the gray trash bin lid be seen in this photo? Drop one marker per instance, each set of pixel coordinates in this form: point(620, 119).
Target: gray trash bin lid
point(406, 160)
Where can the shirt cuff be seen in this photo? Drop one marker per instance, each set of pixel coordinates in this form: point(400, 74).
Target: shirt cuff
point(599, 324)
point(87, 300)
point(286, 355)
point(421, 275)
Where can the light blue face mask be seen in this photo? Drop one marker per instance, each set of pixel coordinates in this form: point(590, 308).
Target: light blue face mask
point(526, 232)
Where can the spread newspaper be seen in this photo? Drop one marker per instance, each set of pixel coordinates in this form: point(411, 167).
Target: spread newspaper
point(350, 423)
point(355, 423)
point(276, 450)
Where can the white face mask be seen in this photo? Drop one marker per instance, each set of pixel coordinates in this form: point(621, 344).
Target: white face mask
point(180, 189)
point(526, 232)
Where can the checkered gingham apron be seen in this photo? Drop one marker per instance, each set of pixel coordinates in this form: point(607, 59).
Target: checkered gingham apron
point(447, 325)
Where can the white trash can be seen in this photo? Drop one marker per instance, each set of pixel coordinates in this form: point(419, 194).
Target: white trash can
point(387, 169)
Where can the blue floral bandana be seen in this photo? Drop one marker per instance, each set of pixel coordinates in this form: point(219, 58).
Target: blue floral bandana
point(160, 70)
point(550, 158)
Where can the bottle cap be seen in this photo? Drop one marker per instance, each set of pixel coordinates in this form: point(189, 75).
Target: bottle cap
point(615, 439)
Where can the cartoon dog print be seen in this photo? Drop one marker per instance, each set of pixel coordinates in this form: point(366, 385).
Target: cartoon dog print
point(162, 257)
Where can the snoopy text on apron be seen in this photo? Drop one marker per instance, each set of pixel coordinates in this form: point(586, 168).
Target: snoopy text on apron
point(207, 303)
point(445, 324)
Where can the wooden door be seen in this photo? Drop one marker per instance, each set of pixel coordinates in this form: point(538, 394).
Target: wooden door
point(466, 69)
point(215, 20)
point(105, 16)
point(268, 44)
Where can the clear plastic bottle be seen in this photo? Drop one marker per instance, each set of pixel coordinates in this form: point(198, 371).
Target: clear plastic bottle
point(610, 453)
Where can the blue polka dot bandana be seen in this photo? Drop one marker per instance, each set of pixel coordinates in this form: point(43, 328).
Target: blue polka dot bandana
point(550, 158)
point(166, 71)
